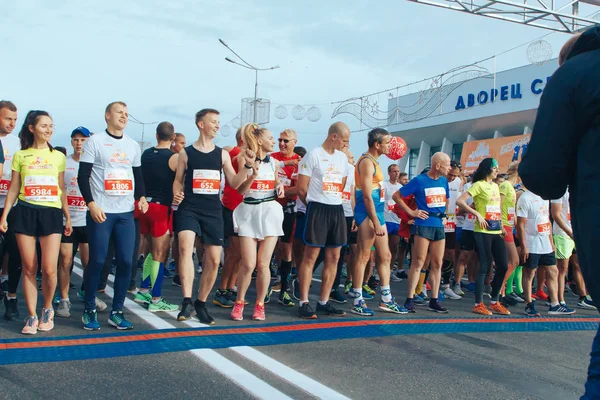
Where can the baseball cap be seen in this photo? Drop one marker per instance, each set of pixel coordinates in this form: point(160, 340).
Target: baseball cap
point(83, 130)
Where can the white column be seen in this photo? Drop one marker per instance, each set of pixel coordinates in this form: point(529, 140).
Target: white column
point(497, 135)
point(424, 157)
point(403, 162)
point(447, 147)
point(526, 130)
point(469, 138)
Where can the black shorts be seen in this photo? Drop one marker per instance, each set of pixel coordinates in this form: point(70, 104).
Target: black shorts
point(450, 240)
point(540, 260)
point(207, 225)
point(467, 240)
point(325, 225)
point(79, 235)
point(228, 223)
point(289, 223)
point(37, 221)
point(351, 236)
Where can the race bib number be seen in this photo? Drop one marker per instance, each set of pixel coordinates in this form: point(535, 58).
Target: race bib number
point(4, 186)
point(492, 212)
point(206, 181)
point(544, 226)
point(287, 183)
point(435, 197)
point(382, 195)
point(470, 217)
point(41, 188)
point(118, 181)
point(511, 216)
point(346, 197)
point(332, 184)
point(450, 223)
point(75, 200)
point(390, 205)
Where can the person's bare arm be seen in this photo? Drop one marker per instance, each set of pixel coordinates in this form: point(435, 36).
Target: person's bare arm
point(560, 221)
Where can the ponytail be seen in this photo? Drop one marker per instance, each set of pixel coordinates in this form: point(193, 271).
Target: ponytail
point(251, 132)
point(25, 135)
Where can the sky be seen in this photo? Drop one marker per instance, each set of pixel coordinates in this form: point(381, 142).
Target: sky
point(163, 58)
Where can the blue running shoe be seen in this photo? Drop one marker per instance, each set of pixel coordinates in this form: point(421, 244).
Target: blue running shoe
point(90, 320)
point(171, 266)
point(419, 301)
point(441, 296)
point(56, 300)
point(530, 310)
point(362, 309)
point(560, 310)
point(392, 307)
point(470, 287)
point(410, 306)
point(367, 296)
point(167, 273)
point(117, 319)
point(435, 306)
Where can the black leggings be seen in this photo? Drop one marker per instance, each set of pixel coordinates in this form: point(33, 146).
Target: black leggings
point(490, 247)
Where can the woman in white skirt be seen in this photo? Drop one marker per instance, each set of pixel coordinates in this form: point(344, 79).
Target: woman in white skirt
point(258, 220)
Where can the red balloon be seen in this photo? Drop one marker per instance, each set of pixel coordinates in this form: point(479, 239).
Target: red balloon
point(397, 148)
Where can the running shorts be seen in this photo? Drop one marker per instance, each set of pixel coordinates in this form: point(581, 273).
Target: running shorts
point(156, 221)
point(79, 235)
point(300, 224)
point(351, 236)
point(392, 228)
point(228, 223)
point(360, 213)
point(325, 225)
point(450, 240)
point(509, 236)
point(432, 233)
point(467, 240)
point(37, 220)
point(207, 225)
point(540, 260)
point(289, 223)
point(564, 247)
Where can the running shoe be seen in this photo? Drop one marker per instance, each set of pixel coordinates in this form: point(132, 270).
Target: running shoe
point(199, 269)
point(419, 301)
point(367, 289)
point(47, 321)
point(516, 297)
point(167, 274)
point(586, 303)
point(143, 298)
point(470, 287)
point(259, 312)
point(394, 278)
point(541, 295)
point(276, 286)
point(140, 262)
point(487, 291)
point(337, 297)
point(187, 310)
point(90, 320)
point(367, 296)
point(31, 326)
point(176, 281)
point(329, 309)
point(498, 308)
point(508, 301)
point(222, 300)
point(268, 296)
point(305, 311)
point(424, 298)
point(81, 295)
point(64, 309)
point(296, 289)
point(4, 286)
point(392, 307)
point(530, 310)
point(410, 306)
point(481, 309)
point(117, 319)
point(56, 300)
point(202, 314)
point(362, 309)
point(347, 287)
point(402, 274)
point(427, 286)
point(162, 305)
point(344, 272)
point(100, 305)
point(458, 290)
point(12, 310)
point(132, 288)
point(237, 314)
point(436, 306)
point(172, 266)
point(449, 293)
point(285, 300)
point(560, 310)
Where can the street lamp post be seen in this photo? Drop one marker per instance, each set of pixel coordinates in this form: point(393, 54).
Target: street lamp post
point(247, 65)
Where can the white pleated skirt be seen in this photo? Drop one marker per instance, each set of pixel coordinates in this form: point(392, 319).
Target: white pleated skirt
point(258, 221)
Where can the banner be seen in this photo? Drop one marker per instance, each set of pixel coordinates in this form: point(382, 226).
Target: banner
point(505, 150)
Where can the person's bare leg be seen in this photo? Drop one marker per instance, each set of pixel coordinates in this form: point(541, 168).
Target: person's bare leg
point(210, 269)
point(186, 263)
point(64, 269)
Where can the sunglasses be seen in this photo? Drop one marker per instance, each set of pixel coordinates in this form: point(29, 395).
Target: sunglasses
point(455, 164)
point(286, 141)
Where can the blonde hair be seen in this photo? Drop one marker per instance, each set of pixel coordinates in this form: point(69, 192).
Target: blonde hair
point(250, 133)
point(290, 133)
point(513, 169)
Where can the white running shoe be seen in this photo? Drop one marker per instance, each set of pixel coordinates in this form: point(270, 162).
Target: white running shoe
point(394, 278)
point(449, 293)
point(458, 290)
point(100, 305)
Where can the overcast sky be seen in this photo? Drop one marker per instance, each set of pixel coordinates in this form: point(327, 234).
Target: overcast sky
point(163, 58)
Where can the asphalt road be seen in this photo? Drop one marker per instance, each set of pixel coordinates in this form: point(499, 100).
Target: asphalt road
point(458, 361)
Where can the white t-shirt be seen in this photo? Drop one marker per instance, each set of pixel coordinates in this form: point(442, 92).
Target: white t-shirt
point(10, 144)
point(347, 194)
point(326, 172)
point(112, 180)
point(77, 206)
point(389, 190)
point(451, 221)
point(538, 227)
point(468, 219)
point(565, 213)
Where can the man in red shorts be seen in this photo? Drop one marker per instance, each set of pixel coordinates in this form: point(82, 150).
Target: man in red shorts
point(159, 164)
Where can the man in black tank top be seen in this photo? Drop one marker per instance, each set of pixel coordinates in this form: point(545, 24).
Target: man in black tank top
point(200, 213)
point(159, 164)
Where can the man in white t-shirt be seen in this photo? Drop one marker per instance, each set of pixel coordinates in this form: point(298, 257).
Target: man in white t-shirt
point(537, 250)
point(110, 179)
point(11, 259)
point(321, 181)
point(562, 233)
point(455, 186)
point(392, 221)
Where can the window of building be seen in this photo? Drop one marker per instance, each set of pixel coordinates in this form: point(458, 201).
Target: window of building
point(412, 162)
point(457, 151)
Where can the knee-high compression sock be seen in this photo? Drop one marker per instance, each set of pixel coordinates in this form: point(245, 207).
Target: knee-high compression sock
point(509, 282)
point(519, 279)
point(422, 277)
point(156, 278)
point(447, 268)
point(285, 267)
point(146, 271)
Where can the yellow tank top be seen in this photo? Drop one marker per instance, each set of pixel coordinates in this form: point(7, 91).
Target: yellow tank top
point(377, 175)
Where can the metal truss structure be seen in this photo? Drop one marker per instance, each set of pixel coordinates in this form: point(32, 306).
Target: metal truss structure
point(556, 15)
